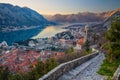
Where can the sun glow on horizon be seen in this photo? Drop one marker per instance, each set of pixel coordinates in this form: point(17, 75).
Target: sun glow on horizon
point(51, 7)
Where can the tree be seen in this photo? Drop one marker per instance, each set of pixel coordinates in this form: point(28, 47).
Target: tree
point(113, 35)
point(42, 68)
point(4, 73)
point(70, 50)
point(50, 64)
point(87, 46)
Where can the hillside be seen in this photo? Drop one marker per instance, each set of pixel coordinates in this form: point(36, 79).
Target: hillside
point(19, 16)
point(112, 14)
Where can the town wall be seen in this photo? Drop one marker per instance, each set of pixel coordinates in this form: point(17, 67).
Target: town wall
point(65, 67)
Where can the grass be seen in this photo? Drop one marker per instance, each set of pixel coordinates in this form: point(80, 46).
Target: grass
point(108, 69)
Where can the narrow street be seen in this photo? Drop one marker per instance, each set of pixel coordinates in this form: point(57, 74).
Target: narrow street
point(86, 71)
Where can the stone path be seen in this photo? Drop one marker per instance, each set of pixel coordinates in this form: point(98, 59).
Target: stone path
point(86, 71)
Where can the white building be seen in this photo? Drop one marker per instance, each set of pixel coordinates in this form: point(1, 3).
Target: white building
point(4, 44)
point(31, 44)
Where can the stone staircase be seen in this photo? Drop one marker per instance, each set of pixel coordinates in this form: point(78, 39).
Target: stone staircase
point(85, 67)
point(69, 70)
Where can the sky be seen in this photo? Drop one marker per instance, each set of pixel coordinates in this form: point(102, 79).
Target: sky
point(51, 7)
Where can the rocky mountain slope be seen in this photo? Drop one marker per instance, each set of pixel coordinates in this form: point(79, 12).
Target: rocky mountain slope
point(19, 16)
point(112, 14)
point(81, 17)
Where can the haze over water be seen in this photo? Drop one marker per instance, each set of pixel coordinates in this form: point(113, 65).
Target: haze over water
point(49, 32)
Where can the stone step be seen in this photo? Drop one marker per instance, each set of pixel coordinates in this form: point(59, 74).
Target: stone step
point(71, 74)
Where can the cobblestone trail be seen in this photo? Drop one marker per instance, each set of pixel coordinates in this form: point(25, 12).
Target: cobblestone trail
point(86, 71)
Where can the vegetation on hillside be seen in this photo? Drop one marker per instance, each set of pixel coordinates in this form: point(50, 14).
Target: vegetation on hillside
point(39, 70)
point(112, 61)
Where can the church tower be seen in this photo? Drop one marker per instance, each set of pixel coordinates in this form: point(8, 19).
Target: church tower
point(86, 32)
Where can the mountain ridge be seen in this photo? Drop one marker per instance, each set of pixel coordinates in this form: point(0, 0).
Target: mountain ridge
point(81, 17)
point(114, 14)
point(20, 16)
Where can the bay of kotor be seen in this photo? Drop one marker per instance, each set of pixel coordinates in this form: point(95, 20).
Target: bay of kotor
point(49, 31)
point(21, 35)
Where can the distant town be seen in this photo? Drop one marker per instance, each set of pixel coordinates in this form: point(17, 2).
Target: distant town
point(20, 56)
point(13, 28)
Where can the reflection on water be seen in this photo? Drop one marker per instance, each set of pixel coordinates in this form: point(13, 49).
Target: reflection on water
point(15, 36)
point(49, 32)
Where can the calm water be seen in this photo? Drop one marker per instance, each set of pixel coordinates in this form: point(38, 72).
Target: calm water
point(14, 36)
point(49, 31)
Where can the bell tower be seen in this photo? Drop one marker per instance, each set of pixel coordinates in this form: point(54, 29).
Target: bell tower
point(86, 32)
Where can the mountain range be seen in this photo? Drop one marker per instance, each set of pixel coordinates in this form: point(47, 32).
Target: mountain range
point(20, 16)
point(23, 16)
point(80, 17)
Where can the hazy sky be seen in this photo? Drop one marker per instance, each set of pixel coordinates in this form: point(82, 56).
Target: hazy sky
point(66, 6)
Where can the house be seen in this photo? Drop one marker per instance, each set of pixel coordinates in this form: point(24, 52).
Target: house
point(57, 55)
point(31, 44)
point(3, 44)
point(44, 55)
point(79, 43)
